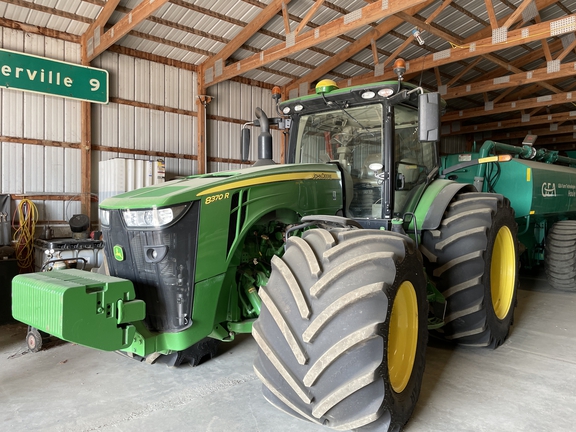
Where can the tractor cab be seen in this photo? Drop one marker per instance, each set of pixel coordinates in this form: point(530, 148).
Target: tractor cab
point(374, 134)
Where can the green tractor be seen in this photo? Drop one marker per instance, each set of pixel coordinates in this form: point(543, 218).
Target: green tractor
point(338, 262)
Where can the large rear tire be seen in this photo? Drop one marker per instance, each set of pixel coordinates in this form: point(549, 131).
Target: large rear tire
point(473, 260)
point(560, 259)
point(343, 329)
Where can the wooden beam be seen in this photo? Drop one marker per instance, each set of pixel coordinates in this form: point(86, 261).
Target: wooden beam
point(213, 37)
point(563, 139)
point(376, 33)
point(487, 31)
point(534, 56)
point(398, 50)
point(464, 71)
point(85, 151)
point(438, 11)
point(417, 22)
point(517, 13)
point(566, 51)
point(458, 41)
point(39, 142)
point(85, 158)
point(360, 17)
point(504, 124)
point(411, 38)
point(230, 161)
point(47, 197)
point(503, 94)
point(95, 47)
point(201, 104)
point(564, 147)
point(246, 33)
point(550, 130)
point(153, 58)
point(48, 10)
point(544, 42)
point(541, 101)
point(438, 77)
point(508, 67)
point(285, 18)
point(96, 29)
point(308, 16)
point(39, 30)
point(162, 108)
point(517, 79)
point(484, 46)
point(374, 51)
point(491, 14)
point(123, 150)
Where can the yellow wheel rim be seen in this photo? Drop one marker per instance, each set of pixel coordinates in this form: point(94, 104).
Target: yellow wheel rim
point(503, 272)
point(402, 337)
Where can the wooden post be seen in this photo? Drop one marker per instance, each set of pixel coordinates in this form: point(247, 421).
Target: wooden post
point(202, 102)
point(85, 150)
point(86, 159)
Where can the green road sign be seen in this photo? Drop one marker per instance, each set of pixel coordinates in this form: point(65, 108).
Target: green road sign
point(42, 75)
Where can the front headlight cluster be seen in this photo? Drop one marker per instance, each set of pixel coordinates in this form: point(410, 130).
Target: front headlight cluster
point(154, 217)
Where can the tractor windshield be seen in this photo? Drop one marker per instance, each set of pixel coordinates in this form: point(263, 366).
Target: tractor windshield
point(354, 138)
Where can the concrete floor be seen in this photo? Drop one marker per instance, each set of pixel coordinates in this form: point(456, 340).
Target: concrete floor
point(528, 384)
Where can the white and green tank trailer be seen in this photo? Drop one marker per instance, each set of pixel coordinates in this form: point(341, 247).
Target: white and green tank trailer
point(338, 262)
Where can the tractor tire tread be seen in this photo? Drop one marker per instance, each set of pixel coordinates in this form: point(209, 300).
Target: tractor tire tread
point(301, 360)
point(559, 262)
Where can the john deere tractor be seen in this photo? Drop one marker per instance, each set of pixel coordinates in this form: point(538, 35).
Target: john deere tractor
point(338, 262)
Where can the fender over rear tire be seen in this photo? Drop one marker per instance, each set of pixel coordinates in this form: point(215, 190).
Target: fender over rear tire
point(560, 259)
point(473, 260)
point(343, 329)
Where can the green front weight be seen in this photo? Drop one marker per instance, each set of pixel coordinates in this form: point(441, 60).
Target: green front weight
point(85, 308)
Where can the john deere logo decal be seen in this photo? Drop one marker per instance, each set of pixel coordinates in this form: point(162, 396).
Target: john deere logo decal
point(118, 253)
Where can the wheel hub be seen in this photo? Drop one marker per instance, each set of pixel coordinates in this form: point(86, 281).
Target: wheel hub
point(402, 337)
point(503, 272)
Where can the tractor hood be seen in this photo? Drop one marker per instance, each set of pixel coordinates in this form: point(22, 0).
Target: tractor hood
point(197, 187)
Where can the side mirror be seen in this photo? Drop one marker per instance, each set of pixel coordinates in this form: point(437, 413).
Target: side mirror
point(245, 144)
point(429, 116)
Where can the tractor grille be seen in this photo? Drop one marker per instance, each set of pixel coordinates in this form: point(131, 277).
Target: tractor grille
point(161, 265)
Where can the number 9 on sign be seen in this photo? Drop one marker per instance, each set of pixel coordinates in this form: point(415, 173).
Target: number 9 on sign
point(95, 84)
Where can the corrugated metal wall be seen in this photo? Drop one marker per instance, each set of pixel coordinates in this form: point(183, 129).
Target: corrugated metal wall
point(35, 169)
point(237, 102)
point(127, 122)
point(132, 127)
point(453, 144)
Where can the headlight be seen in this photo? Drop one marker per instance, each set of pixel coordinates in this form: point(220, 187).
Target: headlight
point(369, 94)
point(154, 217)
point(385, 92)
point(104, 217)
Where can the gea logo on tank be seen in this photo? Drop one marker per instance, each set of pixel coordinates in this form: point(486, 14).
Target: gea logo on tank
point(548, 189)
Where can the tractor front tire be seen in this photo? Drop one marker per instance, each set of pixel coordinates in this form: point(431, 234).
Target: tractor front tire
point(560, 259)
point(473, 260)
point(343, 329)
